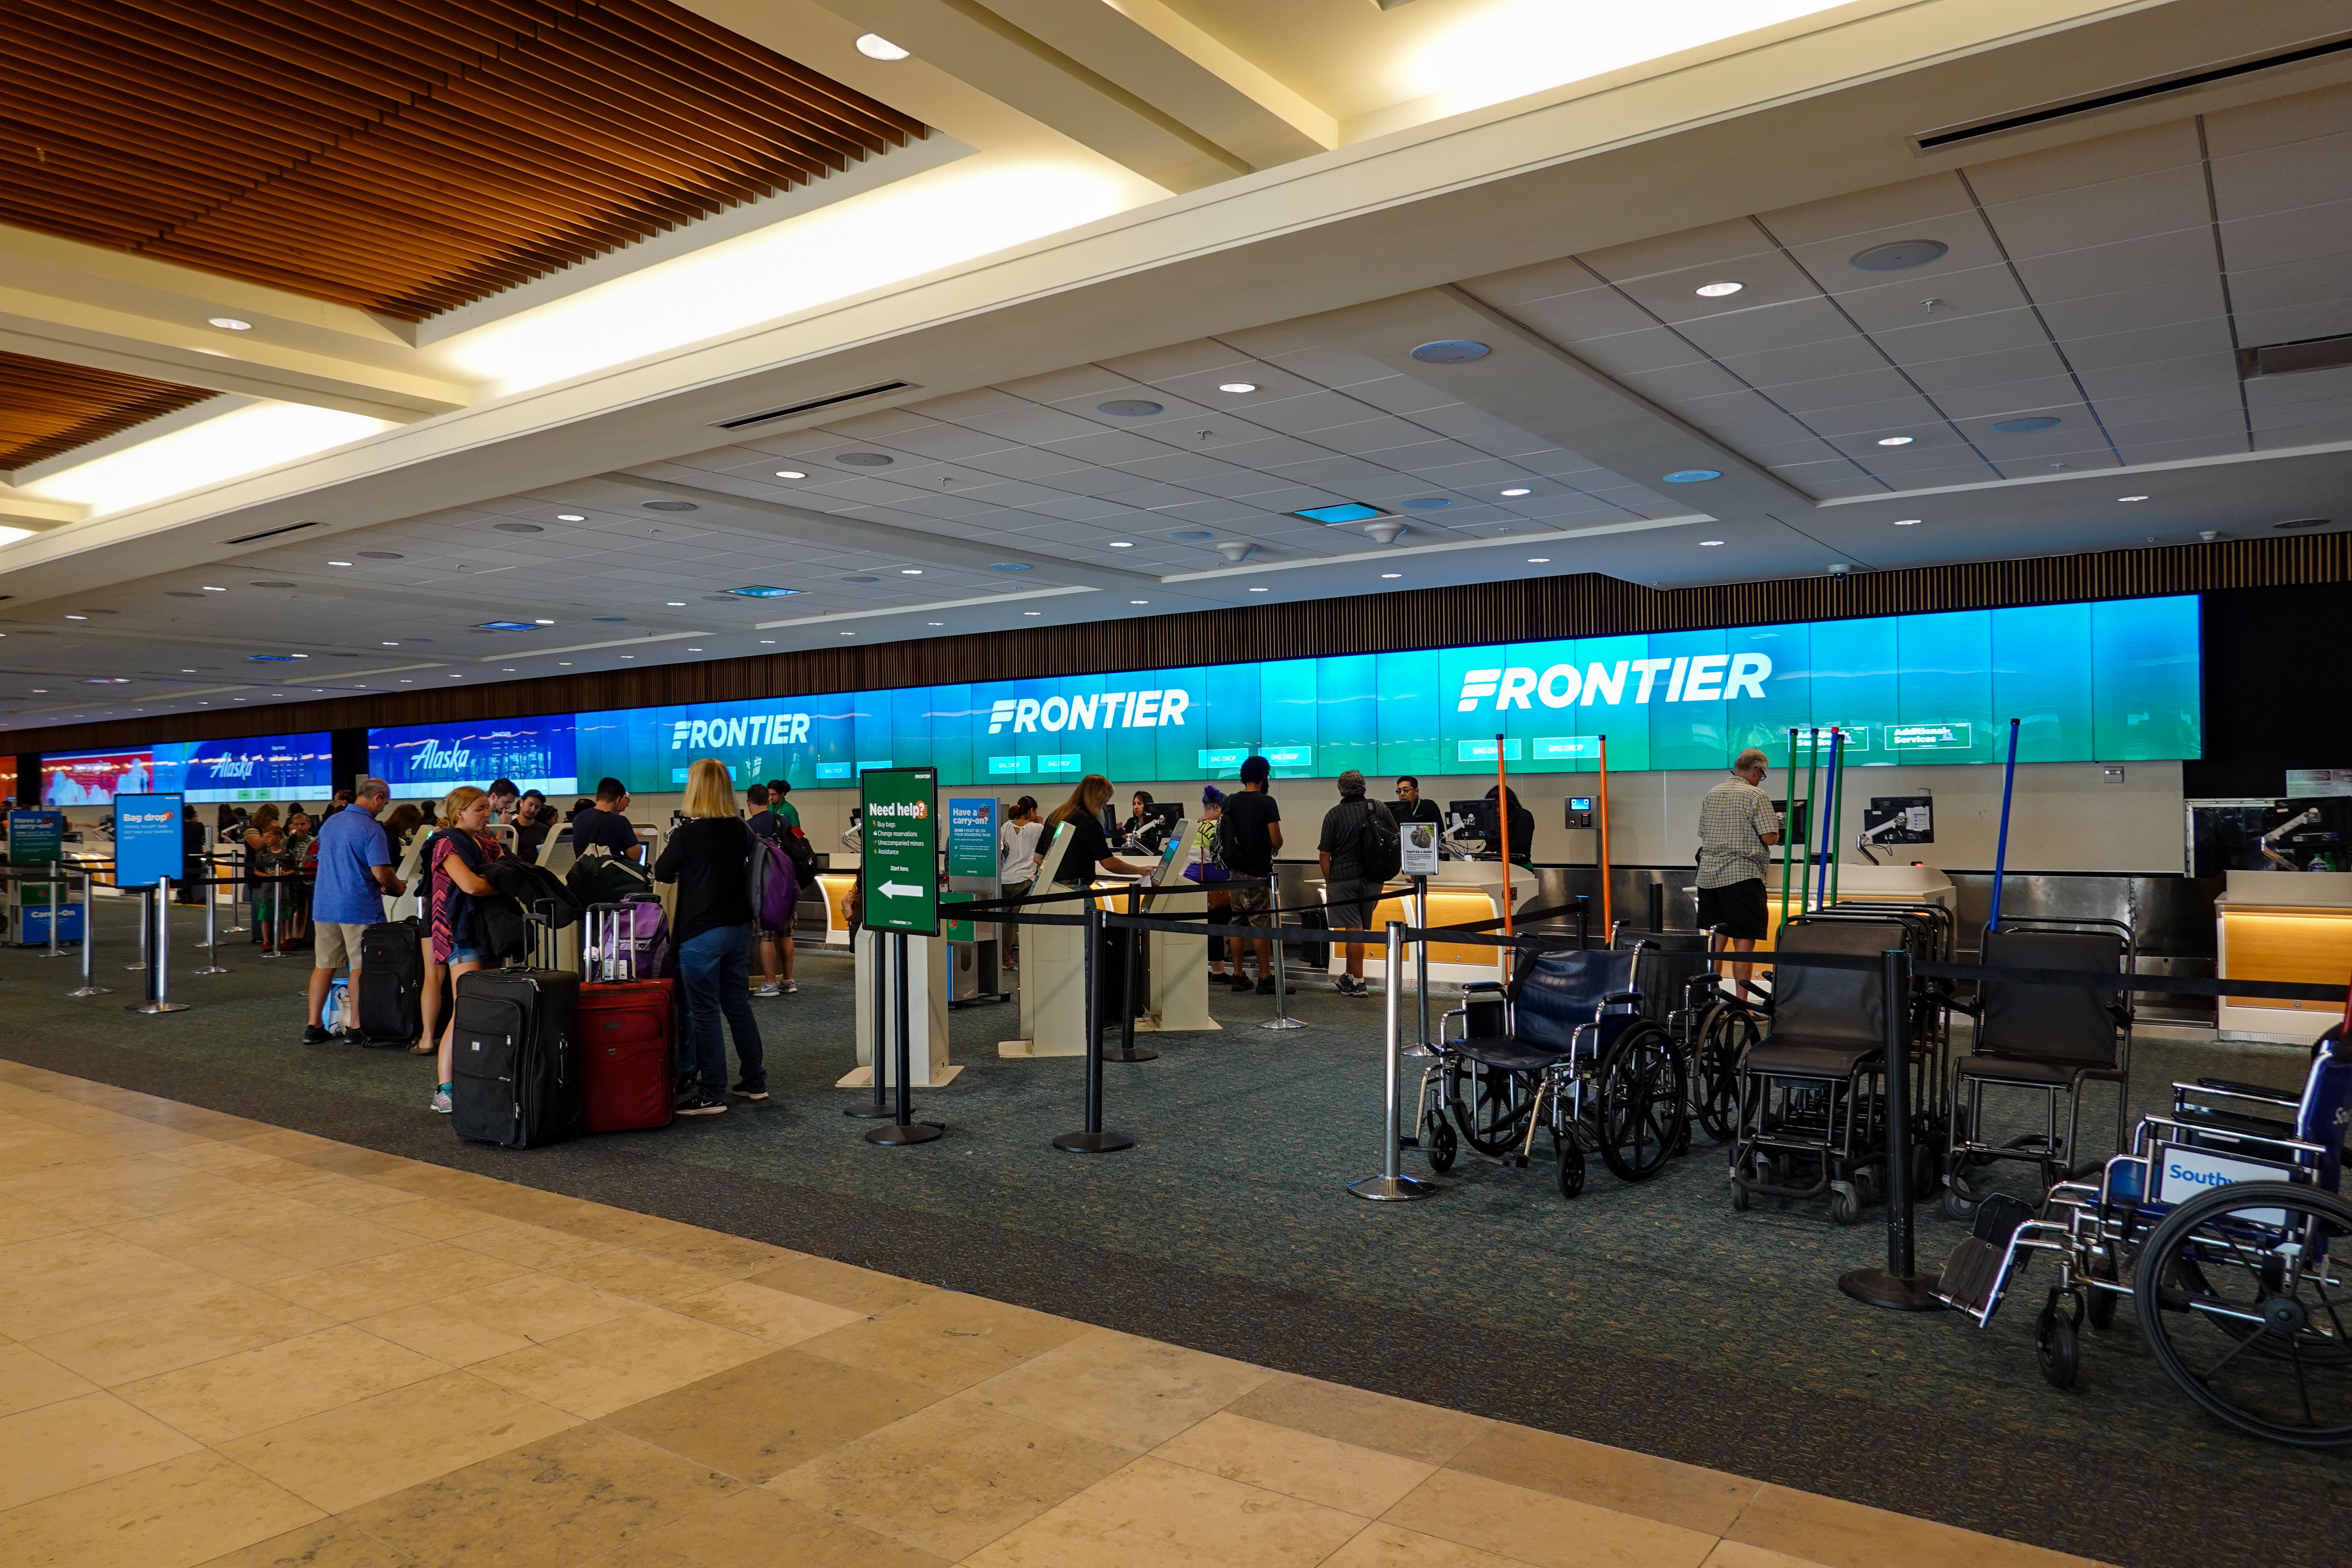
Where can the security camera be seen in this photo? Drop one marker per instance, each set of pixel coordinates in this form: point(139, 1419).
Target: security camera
point(1840, 568)
point(2210, 534)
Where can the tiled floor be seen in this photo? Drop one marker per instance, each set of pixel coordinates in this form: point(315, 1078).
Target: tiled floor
point(226, 1342)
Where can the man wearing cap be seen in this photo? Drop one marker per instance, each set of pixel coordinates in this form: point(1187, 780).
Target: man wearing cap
point(1348, 890)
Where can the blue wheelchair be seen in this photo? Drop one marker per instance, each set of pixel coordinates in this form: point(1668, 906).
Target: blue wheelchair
point(2223, 1227)
point(1567, 1047)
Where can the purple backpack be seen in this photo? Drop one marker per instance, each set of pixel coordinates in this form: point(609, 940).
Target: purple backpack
point(772, 884)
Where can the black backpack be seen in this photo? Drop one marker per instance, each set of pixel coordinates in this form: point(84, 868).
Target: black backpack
point(1379, 845)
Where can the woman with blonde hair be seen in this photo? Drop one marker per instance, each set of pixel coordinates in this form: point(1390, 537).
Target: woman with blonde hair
point(710, 858)
point(1088, 851)
point(452, 880)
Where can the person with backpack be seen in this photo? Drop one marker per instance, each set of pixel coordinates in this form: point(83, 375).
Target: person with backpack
point(1249, 835)
point(1208, 869)
point(713, 858)
point(455, 859)
point(1360, 851)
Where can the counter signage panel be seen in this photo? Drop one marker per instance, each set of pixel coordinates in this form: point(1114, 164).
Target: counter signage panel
point(147, 839)
point(424, 759)
point(269, 767)
point(95, 778)
point(36, 837)
point(2112, 682)
point(972, 836)
point(900, 834)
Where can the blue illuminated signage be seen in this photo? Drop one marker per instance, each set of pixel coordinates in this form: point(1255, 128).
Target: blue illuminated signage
point(271, 767)
point(147, 839)
point(424, 759)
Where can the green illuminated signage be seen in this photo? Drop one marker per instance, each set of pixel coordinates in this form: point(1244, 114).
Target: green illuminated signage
point(899, 871)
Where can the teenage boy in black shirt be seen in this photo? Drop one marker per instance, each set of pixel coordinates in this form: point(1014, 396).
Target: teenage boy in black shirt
point(607, 824)
point(1250, 831)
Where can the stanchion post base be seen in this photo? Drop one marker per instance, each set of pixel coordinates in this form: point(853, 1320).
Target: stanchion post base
point(1093, 1142)
point(214, 969)
point(156, 1008)
point(866, 1110)
point(1393, 1189)
point(92, 991)
point(1284, 1023)
point(913, 1133)
point(1121, 1054)
point(1895, 1292)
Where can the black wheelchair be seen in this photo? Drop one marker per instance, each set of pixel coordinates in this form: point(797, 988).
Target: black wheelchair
point(2048, 1040)
point(1566, 1047)
point(1811, 1092)
point(2224, 1226)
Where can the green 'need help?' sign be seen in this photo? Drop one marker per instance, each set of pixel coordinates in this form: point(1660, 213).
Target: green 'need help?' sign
point(900, 874)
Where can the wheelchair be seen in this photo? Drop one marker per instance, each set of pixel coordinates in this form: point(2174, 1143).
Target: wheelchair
point(2045, 1039)
point(1811, 1093)
point(1694, 1006)
point(1566, 1047)
point(2225, 1228)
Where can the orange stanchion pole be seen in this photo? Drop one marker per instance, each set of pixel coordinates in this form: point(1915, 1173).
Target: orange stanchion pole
point(1503, 822)
point(1608, 921)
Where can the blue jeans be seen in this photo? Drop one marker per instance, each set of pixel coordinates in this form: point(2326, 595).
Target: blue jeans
point(715, 971)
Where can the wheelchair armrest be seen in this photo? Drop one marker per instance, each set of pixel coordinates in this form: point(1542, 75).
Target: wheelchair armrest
point(2262, 1093)
point(1483, 988)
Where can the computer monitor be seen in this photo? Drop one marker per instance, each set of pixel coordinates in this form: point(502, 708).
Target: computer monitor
point(1472, 830)
point(1159, 821)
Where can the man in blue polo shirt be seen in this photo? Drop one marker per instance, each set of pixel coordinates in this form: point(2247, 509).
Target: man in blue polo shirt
point(354, 873)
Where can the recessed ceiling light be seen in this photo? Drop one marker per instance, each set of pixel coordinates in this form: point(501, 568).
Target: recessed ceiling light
point(338, 563)
point(1018, 565)
point(1896, 440)
point(1387, 576)
point(210, 589)
point(911, 571)
point(1906, 522)
point(861, 579)
point(1131, 407)
point(77, 617)
point(1691, 476)
point(671, 506)
point(1451, 351)
point(1032, 612)
point(1518, 490)
point(564, 664)
point(935, 623)
point(506, 669)
point(1137, 602)
point(379, 554)
point(391, 645)
point(543, 622)
point(1237, 387)
point(791, 474)
point(228, 324)
point(570, 517)
point(1122, 544)
point(693, 650)
point(2131, 498)
point(875, 46)
point(187, 672)
point(676, 603)
point(1346, 511)
point(1708, 543)
point(1719, 290)
point(519, 527)
point(628, 656)
point(1538, 560)
point(1257, 590)
point(40, 691)
point(456, 677)
point(850, 634)
point(866, 459)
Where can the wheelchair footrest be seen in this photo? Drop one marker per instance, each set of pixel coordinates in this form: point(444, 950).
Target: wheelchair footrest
point(1972, 1275)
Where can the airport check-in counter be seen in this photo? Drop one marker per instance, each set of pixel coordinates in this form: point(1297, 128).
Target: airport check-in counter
point(1462, 892)
point(1862, 885)
point(2293, 926)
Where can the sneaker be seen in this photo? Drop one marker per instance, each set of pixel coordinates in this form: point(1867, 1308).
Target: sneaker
point(742, 1092)
point(1265, 984)
point(792, 988)
point(1243, 984)
point(441, 1101)
point(1353, 985)
point(698, 1106)
point(314, 1035)
point(767, 991)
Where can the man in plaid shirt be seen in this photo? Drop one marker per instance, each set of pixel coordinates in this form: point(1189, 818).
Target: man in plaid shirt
point(1737, 829)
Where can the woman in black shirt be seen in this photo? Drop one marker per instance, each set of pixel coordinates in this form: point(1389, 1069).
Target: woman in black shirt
point(1087, 852)
point(710, 858)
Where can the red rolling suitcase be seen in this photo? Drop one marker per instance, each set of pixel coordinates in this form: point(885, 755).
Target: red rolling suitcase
point(627, 1034)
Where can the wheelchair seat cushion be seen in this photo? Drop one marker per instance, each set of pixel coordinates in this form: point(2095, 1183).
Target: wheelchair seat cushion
point(2025, 1069)
point(1785, 1054)
point(1554, 992)
point(1510, 1053)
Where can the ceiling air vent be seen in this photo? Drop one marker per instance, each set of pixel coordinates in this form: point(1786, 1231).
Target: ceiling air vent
point(771, 415)
point(270, 533)
point(2155, 87)
point(2293, 359)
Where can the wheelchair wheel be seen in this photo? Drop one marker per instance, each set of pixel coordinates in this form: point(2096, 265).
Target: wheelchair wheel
point(1491, 1105)
point(1724, 1037)
point(2056, 1346)
point(1437, 1140)
point(1569, 1158)
point(2238, 1296)
point(1643, 1110)
point(1845, 1203)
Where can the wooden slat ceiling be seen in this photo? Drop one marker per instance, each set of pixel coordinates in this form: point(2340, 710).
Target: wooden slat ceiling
point(404, 156)
point(46, 408)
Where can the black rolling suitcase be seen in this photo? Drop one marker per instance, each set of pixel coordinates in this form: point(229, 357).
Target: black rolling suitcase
point(516, 1065)
point(391, 986)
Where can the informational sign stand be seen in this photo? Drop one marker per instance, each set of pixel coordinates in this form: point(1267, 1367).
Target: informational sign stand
point(148, 854)
point(899, 882)
point(928, 1001)
point(1179, 963)
point(1053, 972)
point(41, 910)
point(974, 948)
point(1417, 860)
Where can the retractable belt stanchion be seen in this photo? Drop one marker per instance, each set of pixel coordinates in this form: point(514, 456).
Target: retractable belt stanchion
point(159, 973)
point(1130, 941)
point(1092, 1138)
point(1899, 1286)
point(1389, 1186)
point(877, 1108)
point(213, 964)
point(89, 935)
point(903, 1128)
point(1419, 1048)
point(237, 898)
point(54, 951)
point(145, 933)
point(1282, 1019)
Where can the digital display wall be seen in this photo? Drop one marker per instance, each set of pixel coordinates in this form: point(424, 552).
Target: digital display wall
point(268, 767)
point(2116, 681)
point(421, 760)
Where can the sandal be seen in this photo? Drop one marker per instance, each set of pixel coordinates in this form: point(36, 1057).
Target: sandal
point(423, 1048)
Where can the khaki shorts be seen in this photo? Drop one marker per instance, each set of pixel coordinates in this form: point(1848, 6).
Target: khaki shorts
point(1252, 905)
point(337, 944)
